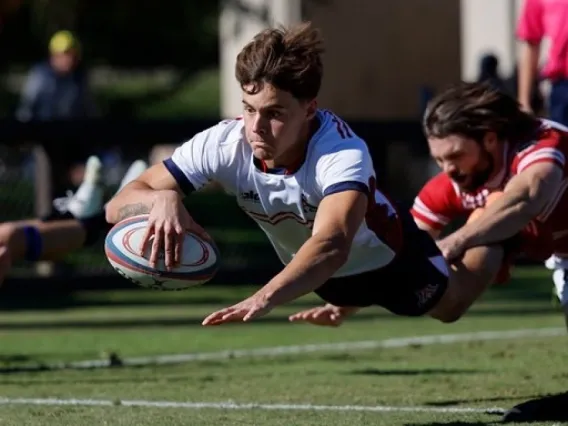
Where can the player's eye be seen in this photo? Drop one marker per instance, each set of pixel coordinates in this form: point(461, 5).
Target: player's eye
point(274, 114)
point(249, 110)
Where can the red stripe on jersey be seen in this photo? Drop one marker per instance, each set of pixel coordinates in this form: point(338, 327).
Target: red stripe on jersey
point(422, 218)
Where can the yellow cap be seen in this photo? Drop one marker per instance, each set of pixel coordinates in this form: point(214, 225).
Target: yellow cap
point(62, 41)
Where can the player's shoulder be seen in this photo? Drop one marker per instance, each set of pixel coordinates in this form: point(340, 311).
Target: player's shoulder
point(334, 135)
point(225, 132)
point(439, 184)
point(550, 144)
point(549, 135)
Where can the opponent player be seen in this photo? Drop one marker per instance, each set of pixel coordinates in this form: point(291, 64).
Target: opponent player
point(308, 181)
point(76, 221)
point(484, 142)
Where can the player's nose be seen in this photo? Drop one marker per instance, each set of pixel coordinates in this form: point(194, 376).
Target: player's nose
point(258, 125)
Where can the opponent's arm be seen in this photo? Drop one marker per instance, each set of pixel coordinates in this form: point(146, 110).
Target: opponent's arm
point(338, 218)
point(139, 196)
point(434, 232)
point(524, 198)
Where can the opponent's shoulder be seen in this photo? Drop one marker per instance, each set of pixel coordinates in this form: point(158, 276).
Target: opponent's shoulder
point(437, 203)
point(439, 185)
point(550, 144)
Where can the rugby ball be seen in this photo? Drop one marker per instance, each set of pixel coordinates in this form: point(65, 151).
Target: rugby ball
point(199, 263)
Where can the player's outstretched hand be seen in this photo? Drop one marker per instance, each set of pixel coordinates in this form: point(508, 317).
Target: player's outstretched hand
point(254, 307)
point(328, 315)
point(168, 223)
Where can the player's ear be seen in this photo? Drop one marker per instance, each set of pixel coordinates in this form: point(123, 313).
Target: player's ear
point(490, 141)
point(311, 108)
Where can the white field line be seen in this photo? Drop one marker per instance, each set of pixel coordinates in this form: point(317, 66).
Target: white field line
point(244, 406)
point(309, 348)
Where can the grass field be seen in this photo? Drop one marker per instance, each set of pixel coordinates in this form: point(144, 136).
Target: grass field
point(384, 381)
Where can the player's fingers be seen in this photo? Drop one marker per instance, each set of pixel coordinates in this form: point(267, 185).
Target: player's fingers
point(211, 319)
point(146, 238)
point(169, 247)
point(234, 315)
point(299, 316)
point(178, 249)
point(217, 316)
point(320, 313)
point(156, 247)
point(255, 312)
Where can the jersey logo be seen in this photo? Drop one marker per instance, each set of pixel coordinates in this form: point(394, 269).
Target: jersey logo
point(250, 196)
point(307, 207)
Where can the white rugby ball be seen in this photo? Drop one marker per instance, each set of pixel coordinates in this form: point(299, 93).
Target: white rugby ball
point(199, 263)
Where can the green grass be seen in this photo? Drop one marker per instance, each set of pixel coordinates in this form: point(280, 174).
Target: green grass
point(88, 325)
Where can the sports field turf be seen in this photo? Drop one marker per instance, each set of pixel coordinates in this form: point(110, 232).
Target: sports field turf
point(380, 382)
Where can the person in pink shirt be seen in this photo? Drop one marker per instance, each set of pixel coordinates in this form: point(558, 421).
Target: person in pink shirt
point(541, 19)
point(545, 19)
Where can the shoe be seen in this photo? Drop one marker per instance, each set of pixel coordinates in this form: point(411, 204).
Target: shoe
point(549, 408)
point(136, 169)
point(88, 200)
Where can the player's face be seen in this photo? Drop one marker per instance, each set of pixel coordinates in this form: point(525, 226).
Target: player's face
point(275, 122)
point(468, 163)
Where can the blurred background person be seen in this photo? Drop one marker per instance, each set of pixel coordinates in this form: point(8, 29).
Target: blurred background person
point(489, 71)
point(58, 89)
point(536, 23)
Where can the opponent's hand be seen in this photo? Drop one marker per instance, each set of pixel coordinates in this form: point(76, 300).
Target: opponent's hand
point(328, 315)
point(254, 307)
point(168, 223)
point(452, 247)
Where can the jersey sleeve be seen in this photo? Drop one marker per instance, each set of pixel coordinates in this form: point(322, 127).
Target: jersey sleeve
point(197, 161)
point(549, 148)
point(346, 167)
point(437, 203)
point(530, 26)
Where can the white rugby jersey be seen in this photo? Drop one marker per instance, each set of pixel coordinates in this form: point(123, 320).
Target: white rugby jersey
point(283, 204)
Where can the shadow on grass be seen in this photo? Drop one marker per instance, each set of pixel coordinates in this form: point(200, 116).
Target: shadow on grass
point(412, 372)
point(192, 320)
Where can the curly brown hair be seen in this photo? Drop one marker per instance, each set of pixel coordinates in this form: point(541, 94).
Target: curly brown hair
point(289, 59)
point(473, 109)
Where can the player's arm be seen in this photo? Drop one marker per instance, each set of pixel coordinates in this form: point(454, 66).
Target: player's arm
point(338, 218)
point(159, 193)
point(139, 196)
point(524, 198)
point(191, 167)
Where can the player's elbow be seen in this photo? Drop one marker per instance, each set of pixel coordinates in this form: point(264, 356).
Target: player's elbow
point(337, 248)
point(111, 212)
point(112, 208)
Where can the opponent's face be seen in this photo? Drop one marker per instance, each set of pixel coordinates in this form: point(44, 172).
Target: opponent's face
point(275, 121)
point(468, 163)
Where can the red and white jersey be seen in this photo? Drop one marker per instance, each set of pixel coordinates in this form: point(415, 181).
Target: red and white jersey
point(440, 201)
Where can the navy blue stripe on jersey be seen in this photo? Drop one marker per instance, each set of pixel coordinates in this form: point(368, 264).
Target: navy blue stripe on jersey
point(346, 186)
point(183, 182)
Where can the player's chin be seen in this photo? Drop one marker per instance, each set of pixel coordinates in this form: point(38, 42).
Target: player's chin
point(263, 154)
